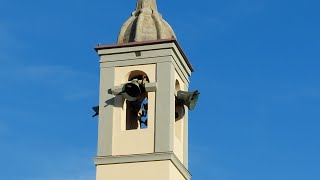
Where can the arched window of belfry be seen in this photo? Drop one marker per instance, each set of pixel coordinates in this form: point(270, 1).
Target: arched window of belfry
point(179, 113)
point(137, 111)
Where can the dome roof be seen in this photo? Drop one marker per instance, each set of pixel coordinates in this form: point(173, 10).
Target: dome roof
point(145, 24)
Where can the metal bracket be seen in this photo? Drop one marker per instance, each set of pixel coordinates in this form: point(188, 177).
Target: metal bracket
point(150, 87)
point(117, 90)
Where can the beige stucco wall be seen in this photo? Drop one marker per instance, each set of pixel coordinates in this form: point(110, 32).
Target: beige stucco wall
point(135, 141)
point(155, 170)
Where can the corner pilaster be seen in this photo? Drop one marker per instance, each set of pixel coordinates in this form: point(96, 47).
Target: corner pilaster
point(165, 103)
point(106, 109)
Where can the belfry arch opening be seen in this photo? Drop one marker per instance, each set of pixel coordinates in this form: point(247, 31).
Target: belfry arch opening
point(137, 111)
point(179, 114)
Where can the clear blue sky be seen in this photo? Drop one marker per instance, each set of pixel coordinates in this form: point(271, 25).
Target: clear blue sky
point(257, 67)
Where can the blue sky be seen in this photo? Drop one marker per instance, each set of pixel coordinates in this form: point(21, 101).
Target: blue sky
point(257, 67)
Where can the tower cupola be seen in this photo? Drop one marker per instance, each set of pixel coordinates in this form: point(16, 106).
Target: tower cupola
point(145, 24)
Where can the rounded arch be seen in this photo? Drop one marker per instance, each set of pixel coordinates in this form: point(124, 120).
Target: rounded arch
point(137, 111)
point(136, 74)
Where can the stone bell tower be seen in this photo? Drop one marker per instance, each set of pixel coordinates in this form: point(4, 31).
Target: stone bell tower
point(143, 130)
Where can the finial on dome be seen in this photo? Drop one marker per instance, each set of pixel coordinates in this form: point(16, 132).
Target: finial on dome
point(145, 24)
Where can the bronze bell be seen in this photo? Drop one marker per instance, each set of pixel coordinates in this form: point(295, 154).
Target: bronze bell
point(188, 99)
point(96, 110)
point(132, 90)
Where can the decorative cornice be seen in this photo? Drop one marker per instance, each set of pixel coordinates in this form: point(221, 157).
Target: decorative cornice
point(137, 44)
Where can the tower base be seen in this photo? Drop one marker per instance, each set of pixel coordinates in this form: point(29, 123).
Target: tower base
point(155, 166)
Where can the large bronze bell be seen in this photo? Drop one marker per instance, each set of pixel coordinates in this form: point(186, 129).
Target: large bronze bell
point(132, 90)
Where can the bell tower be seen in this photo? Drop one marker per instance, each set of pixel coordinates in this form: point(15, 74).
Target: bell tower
point(144, 101)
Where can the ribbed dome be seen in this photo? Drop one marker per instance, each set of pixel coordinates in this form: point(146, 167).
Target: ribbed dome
point(145, 24)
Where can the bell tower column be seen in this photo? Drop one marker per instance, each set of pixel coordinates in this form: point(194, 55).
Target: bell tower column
point(144, 102)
